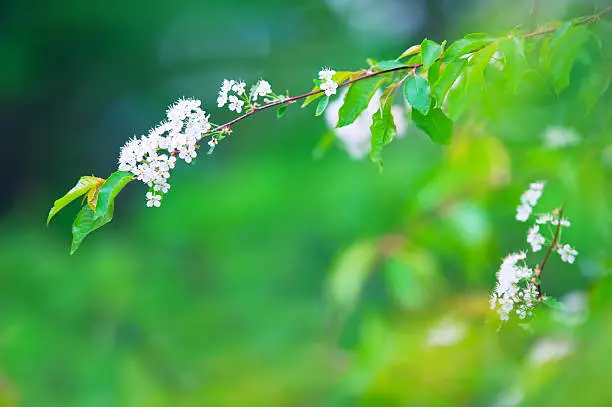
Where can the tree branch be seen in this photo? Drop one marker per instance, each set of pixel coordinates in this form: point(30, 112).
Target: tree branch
point(553, 244)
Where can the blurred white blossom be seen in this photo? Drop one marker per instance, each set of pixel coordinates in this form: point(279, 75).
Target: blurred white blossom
point(535, 239)
point(550, 350)
point(447, 332)
point(529, 199)
point(560, 137)
point(575, 308)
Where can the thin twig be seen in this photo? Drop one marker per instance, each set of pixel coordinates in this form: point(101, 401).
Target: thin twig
point(553, 245)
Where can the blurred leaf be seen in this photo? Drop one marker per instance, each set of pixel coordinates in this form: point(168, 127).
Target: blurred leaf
point(558, 54)
point(551, 302)
point(324, 143)
point(350, 273)
point(479, 62)
point(84, 184)
point(437, 126)
point(592, 88)
point(281, 111)
point(357, 99)
point(515, 63)
point(416, 90)
point(338, 77)
point(321, 106)
point(431, 51)
point(413, 278)
point(415, 49)
point(383, 131)
point(450, 74)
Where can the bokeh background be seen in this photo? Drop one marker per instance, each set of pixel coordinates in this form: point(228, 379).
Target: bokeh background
point(272, 275)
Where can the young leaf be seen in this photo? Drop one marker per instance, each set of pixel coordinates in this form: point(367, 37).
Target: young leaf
point(450, 74)
point(383, 130)
point(417, 93)
point(108, 192)
point(321, 106)
point(479, 62)
point(281, 111)
point(384, 65)
point(435, 124)
point(82, 187)
point(338, 77)
point(92, 196)
point(515, 63)
point(431, 52)
point(357, 99)
point(592, 88)
point(84, 224)
point(415, 49)
point(551, 302)
point(464, 46)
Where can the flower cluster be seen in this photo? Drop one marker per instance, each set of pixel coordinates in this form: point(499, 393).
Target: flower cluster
point(529, 199)
point(515, 288)
point(327, 83)
point(239, 98)
point(150, 158)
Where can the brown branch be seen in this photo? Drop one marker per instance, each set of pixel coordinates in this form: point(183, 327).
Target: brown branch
point(553, 245)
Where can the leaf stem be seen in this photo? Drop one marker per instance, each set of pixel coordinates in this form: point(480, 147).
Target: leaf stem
point(552, 246)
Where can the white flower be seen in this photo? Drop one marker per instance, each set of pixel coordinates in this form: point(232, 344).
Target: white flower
point(262, 88)
point(549, 350)
point(226, 86)
point(329, 87)
point(532, 195)
point(564, 222)
point(535, 239)
point(544, 219)
point(567, 253)
point(447, 332)
point(163, 187)
point(326, 74)
point(238, 88)
point(222, 99)
point(188, 154)
point(235, 104)
point(522, 212)
point(514, 288)
point(153, 200)
point(213, 141)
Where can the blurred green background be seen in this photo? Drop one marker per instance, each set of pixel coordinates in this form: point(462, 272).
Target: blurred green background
point(269, 277)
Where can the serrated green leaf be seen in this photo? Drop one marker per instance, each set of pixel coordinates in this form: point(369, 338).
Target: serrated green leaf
point(450, 74)
point(84, 224)
point(431, 51)
point(322, 105)
point(436, 124)
point(357, 99)
point(415, 49)
point(479, 63)
point(384, 65)
point(383, 130)
point(109, 191)
point(416, 90)
point(557, 55)
point(515, 64)
point(81, 188)
point(464, 46)
point(281, 111)
point(338, 77)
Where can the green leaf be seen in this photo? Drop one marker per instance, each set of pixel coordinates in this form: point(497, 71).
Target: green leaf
point(435, 124)
point(324, 143)
point(109, 191)
point(338, 77)
point(455, 101)
point(84, 224)
point(281, 111)
point(431, 52)
point(81, 188)
point(557, 55)
point(322, 105)
point(464, 46)
point(515, 64)
point(383, 131)
point(479, 63)
point(450, 74)
point(384, 65)
point(415, 49)
point(592, 88)
point(357, 99)
point(551, 302)
point(417, 93)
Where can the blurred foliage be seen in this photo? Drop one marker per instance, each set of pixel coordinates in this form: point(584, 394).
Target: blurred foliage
point(269, 278)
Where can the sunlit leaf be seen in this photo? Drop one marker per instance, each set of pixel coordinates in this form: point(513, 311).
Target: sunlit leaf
point(357, 99)
point(479, 62)
point(384, 65)
point(464, 46)
point(109, 191)
point(436, 124)
point(558, 55)
point(415, 49)
point(450, 74)
point(416, 90)
point(84, 224)
point(82, 187)
point(383, 131)
point(322, 105)
point(515, 64)
point(431, 51)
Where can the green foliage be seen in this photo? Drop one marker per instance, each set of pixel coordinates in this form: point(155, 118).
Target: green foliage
point(391, 64)
point(357, 99)
point(479, 62)
point(322, 105)
point(281, 111)
point(417, 93)
point(431, 51)
point(515, 63)
point(83, 186)
point(464, 46)
point(436, 124)
point(89, 220)
point(338, 77)
point(446, 79)
point(383, 130)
